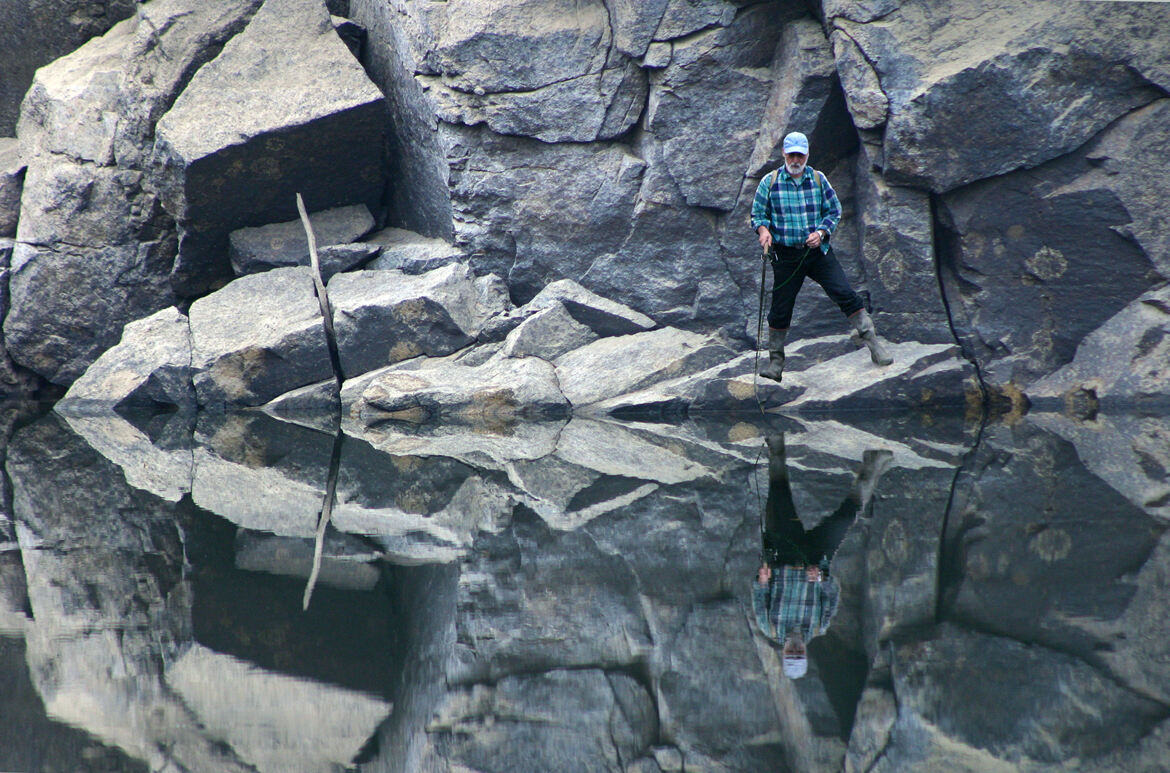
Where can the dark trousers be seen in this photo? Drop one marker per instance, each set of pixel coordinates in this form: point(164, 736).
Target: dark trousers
point(788, 273)
point(786, 543)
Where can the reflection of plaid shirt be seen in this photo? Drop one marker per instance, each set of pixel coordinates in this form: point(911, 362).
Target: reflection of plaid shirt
point(794, 210)
point(789, 601)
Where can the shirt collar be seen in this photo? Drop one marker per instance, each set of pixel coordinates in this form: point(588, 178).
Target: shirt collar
point(804, 175)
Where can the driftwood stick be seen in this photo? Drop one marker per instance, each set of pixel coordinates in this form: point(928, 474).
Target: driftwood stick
point(319, 284)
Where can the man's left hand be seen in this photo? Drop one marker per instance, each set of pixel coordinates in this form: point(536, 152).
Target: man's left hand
point(813, 573)
point(814, 239)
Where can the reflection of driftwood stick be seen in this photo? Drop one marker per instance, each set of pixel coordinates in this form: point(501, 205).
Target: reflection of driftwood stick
point(326, 515)
point(319, 283)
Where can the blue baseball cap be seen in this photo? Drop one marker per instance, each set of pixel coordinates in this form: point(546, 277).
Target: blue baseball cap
point(796, 143)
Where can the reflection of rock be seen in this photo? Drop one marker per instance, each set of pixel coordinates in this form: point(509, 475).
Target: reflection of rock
point(164, 469)
point(284, 108)
point(564, 720)
point(344, 559)
point(275, 722)
point(1066, 712)
point(1130, 453)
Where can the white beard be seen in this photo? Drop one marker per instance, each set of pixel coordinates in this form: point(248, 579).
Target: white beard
point(796, 170)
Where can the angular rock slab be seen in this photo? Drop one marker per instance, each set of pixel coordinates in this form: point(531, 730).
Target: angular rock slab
point(411, 253)
point(939, 138)
point(1124, 363)
point(11, 184)
point(502, 390)
point(253, 250)
point(151, 365)
point(104, 249)
point(614, 366)
point(547, 334)
point(274, 721)
point(285, 108)
point(257, 338)
point(601, 315)
point(382, 317)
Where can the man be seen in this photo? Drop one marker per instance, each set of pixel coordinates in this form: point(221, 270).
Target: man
point(795, 213)
point(794, 596)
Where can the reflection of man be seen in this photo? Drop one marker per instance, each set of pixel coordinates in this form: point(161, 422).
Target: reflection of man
point(793, 595)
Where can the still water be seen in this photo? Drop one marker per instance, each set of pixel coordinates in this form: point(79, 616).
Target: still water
point(861, 593)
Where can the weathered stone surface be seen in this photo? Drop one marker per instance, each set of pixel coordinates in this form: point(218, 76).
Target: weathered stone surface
point(502, 390)
point(601, 315)
point(579, 720)
point(11, 182)
point(274, 721)
point(151, 365)
point(284, 244)
point(705, 106)
point(346, 561)
point(939, 137)
point(683, 17)
point(382, 317)
point(803, 82)
point(98, 249)
point(1023, 263)
point(1124, 363)
point(547, 334)
point(620, 364)
point(34, 33)
point(1070, 712)
point(316, 405)
point(634, 23)
point(411, 253)
point(1129, 452)
point(284, 108)
point(896, 249)
point(867, 102)
point(257, 338)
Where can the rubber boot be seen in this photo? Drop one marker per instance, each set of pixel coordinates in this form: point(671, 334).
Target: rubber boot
point(866, 335)
point(774, 369)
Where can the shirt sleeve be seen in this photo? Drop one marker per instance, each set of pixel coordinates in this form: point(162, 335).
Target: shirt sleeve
point(831, 206)
point(760, 205)
point(830, 591)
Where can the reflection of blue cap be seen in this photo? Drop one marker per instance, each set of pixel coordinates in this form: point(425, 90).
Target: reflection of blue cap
point(795, 666)
point(796, 143)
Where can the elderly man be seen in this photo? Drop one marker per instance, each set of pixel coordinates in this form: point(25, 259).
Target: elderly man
point(795, 213)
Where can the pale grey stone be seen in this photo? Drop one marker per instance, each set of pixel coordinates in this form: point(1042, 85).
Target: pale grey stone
point(612, 366)
point(683, 17)
point(274, 721)
point(601, 315)
point(382, 317)
point(11, 182)
point(258, 338)
point(284, 108)
point(547, 334)
point(657, 56)
point(151, 365)
point(284, 244)
point(867, 102)
point(164, 472)
point(103, 248)
point(316, 406)
point(634, 23)
point(411, 253)
point(345, 561)
point(502, 390)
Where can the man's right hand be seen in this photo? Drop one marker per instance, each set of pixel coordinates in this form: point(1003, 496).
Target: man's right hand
point(765, 236)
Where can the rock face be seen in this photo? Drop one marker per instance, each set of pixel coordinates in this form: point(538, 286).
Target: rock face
point(34, 33)
point(11, 183)
point(95, 248)
point(285, 108)
point(284, 244)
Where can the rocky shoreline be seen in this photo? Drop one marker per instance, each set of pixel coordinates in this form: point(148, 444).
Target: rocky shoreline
point(1001, 188)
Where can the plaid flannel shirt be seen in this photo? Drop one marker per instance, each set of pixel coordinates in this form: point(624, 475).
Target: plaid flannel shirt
point(790, 601)
point(793, 210)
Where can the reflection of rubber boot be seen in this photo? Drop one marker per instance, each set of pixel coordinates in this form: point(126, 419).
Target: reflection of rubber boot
point(777, 462)
point(774, 369)
point(866, 335)
point(873, 465)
